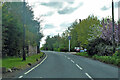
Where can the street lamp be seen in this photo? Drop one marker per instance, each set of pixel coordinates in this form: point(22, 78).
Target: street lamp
point(113, 26)
point(24, 55)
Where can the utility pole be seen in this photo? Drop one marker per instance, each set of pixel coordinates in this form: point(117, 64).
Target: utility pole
point(24, 55)
point(113, 26)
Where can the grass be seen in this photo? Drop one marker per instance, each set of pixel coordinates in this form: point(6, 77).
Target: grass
point(108, 59)
point(115, 60)
point(82, 54)
point(10, 62)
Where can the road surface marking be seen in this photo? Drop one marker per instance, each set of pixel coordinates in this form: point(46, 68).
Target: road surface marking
point(72, 61)
point(20, 76)
point(36, 65)
point(78, 66)
point(68, 58)
point(89, 76)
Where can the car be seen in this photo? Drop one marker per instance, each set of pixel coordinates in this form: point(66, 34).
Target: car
point(77, 49)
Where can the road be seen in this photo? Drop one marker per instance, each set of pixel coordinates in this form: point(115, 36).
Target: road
point(66, 65)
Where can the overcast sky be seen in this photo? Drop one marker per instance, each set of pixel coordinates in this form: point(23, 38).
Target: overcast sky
point(59, 14)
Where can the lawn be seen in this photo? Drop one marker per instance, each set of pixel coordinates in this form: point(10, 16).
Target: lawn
point(17, 62)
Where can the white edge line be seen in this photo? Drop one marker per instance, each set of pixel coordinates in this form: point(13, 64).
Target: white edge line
point(78, 66)
point(20, 76)
point(36, 65)
point(89, 76)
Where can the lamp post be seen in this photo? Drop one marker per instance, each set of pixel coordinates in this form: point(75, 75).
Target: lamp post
point(24, 55)
point(113, 26)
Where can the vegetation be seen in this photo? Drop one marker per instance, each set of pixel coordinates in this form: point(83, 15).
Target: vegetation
point(90, 33)
point(114, 59)
point(12, 28)
point(83, 54)
point(79, 31)
point(10, 62)
point(94, 35)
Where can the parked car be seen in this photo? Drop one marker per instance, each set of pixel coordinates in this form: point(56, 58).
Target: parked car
point(77, 49)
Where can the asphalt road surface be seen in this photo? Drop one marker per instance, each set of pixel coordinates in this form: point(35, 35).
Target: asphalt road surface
point(66, 65)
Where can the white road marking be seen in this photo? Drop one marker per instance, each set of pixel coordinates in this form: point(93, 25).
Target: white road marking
point(72, 61)
point(36, 65)
point(20, 76)
point(41, 77)
point(89, 76)
point(68, 58)
point(78, 66)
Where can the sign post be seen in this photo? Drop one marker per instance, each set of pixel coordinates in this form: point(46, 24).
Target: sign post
point(69, 37)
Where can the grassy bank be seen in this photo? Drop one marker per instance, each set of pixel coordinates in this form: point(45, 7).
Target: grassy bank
point(115, 60)
point(10, 62)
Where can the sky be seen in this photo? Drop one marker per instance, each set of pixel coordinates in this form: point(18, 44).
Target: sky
point(58, 15)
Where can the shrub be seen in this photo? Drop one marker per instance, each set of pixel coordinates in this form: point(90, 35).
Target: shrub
point(83, 54)
point(100, 47)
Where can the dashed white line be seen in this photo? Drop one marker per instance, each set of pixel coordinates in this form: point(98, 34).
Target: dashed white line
point(68, 58)
point(36, 65)
point(78, 66)
point(72, 61)
point(20, 76)
point(41, 77)
point(89, 76)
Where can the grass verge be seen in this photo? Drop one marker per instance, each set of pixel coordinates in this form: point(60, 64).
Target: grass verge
point(115, 60)
point(17, 62)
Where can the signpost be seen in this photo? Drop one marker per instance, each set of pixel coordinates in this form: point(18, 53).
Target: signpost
point(69, 38)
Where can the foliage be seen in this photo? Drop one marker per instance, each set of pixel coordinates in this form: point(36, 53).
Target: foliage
point(107, 30)
point(12, 28)
point(83, 54)
point(79, 31)
point(108, 59)
point(99, 46)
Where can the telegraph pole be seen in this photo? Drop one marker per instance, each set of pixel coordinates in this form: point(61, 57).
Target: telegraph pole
point(113, 26)
point(24, 55)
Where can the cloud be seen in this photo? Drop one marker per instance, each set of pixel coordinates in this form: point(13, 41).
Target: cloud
point(53, 4)
point(49, 13)
point(49, 26)
point(116, 5)
point(104, 8)
point(69, 10)
point(65, 24)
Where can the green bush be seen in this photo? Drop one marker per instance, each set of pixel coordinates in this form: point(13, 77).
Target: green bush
point(100, 47)
point(55, 49)
point(83, 54)
point(59, 49)
point(108, 59)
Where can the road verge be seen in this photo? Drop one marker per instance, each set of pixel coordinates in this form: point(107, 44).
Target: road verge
point(25, 67)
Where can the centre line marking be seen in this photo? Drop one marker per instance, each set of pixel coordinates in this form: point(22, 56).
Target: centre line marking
point(72, 61)
point(78, 66)
point(89, 76)
point(68, 58)
point(20, 76)
point(36, 65)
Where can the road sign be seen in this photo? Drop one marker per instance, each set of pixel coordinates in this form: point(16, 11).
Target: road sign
point(69, 37)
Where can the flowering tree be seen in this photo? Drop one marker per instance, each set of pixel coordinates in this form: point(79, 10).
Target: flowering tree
point(107, 31)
